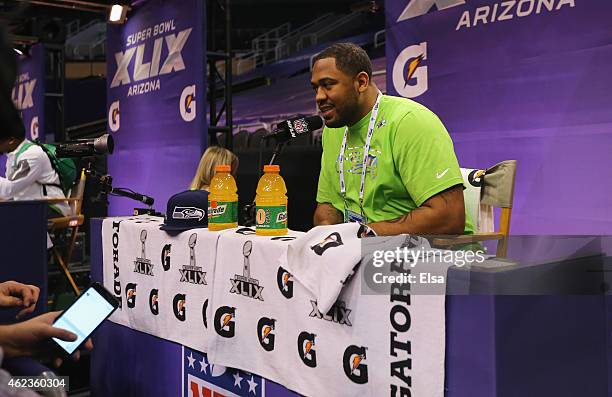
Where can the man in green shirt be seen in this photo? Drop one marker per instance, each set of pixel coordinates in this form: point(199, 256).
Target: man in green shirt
point(412, 182)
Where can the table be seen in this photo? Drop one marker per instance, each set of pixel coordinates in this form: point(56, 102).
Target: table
point(497, 345)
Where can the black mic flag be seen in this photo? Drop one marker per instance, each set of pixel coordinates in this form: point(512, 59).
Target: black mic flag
point(295, 127)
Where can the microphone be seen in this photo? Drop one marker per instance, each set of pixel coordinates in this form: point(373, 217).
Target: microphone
point(86, 147)
point(295, 127)
point(133, 195)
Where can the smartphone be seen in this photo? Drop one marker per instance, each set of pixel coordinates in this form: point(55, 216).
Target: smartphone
point(82, 318)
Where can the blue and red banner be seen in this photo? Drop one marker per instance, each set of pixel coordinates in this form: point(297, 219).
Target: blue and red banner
point(526, 80)
point(156, 99)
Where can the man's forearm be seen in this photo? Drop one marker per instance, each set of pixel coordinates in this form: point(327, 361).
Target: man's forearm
point(326, 214)
point(444, 213)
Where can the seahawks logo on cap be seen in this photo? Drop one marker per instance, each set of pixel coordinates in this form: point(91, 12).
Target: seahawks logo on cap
point(188, 213)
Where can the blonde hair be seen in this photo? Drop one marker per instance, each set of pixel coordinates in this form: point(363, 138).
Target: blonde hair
point(213, 156)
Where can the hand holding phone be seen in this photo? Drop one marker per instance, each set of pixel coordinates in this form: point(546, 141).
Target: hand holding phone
point(82, 318)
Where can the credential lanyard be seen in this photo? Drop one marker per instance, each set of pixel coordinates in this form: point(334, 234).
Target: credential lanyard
point(366, 151)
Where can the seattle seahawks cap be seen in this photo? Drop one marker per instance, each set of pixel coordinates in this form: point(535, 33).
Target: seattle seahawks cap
point(186, 210)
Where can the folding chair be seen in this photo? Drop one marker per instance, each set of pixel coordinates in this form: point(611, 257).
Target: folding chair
point(72, 221)
point(485, 190)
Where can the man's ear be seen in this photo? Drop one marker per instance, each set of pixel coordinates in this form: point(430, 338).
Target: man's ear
point(362, 81)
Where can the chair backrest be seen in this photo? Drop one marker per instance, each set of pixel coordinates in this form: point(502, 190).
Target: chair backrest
point(77, 193)
point(488, 189)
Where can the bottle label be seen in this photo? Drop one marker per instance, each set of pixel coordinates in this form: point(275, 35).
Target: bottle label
point(222, 211)
point(271, 217)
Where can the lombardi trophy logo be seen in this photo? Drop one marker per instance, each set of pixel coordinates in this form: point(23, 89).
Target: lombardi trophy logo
point(143, 265)
point(192, 274)
point(245, 285)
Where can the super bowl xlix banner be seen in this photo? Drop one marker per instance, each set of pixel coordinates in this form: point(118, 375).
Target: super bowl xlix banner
point(29, 92)
point(156, 99)
point(521, 79)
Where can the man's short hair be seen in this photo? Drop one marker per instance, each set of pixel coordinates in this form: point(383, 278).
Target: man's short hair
point(350, 58)
point(11, 125)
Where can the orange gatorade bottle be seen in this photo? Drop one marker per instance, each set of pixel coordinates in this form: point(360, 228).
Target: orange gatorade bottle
point(271, 203)
point(222, 200)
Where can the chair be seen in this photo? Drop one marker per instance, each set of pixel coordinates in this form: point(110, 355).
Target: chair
point(485, 190)
point(72, 221)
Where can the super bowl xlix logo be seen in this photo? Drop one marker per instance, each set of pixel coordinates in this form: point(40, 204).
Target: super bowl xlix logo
point(179, 306)
point(246, 285)
point(130, 295)
point(143, 265)
point(284, 282)
point(306, 351)
point(338, 313)
point(265, 333)
point(354, 364)
point(192, 274)
point(224, 321)
point(154, 301)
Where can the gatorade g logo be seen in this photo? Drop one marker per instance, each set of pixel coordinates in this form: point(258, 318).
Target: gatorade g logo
point(178, 306)
point(224, 321)
point(187, 104)
point(114, 119)
point(416, 8)
point(165, 256)
point(285, 283)
point(333, 240)
point(353, 363)
point(475, 178)
point(153, 302)
point(130, 295)
point(266, 337)
point(34, 127)
point(409, 75)
point(306, 343)
point(204, 309)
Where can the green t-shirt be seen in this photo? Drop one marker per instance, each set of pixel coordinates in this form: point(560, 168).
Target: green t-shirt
point(411, 159)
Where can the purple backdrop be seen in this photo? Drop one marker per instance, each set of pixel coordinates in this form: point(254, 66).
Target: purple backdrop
point(29, 95)
point(524, 80)
point(156, 100)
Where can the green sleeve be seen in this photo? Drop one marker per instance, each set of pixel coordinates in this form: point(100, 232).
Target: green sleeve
point(424, 156)
point(327, 190)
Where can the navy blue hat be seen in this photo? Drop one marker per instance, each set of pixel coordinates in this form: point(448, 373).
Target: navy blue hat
point(186, 210)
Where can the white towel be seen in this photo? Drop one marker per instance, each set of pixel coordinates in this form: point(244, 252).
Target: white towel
point(324, 259)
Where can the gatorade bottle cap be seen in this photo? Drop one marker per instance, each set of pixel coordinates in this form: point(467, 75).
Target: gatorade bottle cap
point(223, 168)
point(271, 168)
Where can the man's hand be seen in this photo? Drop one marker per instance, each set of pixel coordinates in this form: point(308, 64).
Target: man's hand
point(32, 337)
point(326, 214)
point(14, 294)
point(443, 213)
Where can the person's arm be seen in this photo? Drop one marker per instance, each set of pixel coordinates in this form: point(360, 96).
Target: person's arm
point(30, 338)
point(14, 294)
point(444, 213)
point(29, 171)
point(326, 214)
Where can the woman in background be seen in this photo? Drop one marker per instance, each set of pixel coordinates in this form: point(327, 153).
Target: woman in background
point(213, 156)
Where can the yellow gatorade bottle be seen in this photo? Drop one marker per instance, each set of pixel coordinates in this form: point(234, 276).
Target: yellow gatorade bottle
point(222, 200)
point(271, 203)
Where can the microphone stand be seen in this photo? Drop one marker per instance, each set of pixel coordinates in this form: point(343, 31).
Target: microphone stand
point(249, 209)
point(106, 187)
